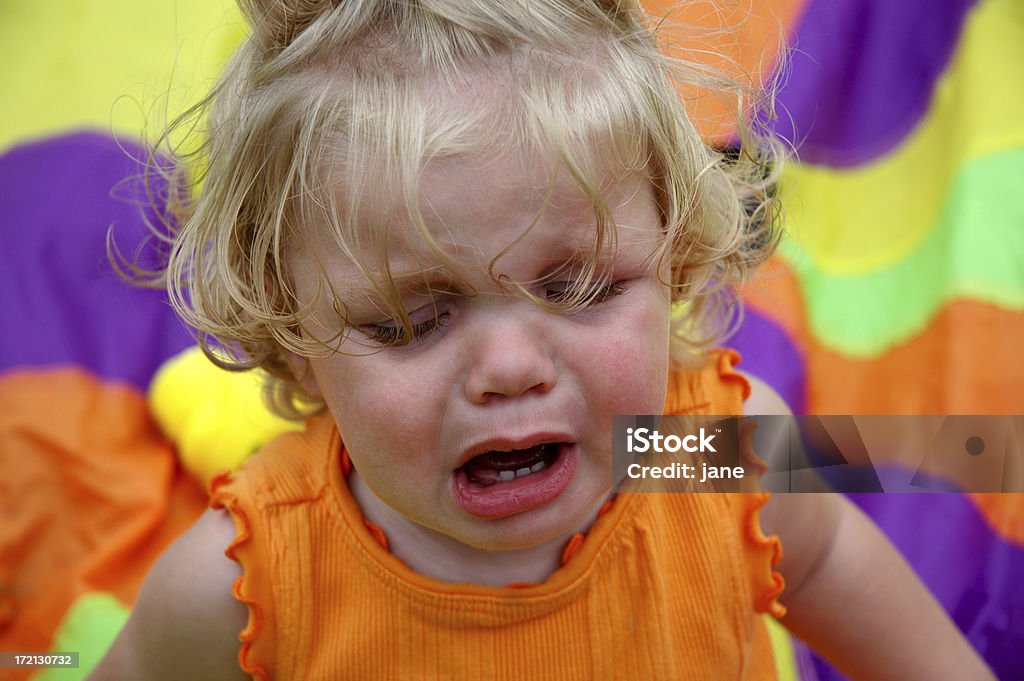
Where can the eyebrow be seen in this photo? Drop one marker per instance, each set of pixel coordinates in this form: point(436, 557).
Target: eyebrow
point(424, 281)
point(420, 283)
point(439, 278)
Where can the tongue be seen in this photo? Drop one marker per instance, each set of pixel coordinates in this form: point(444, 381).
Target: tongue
point(484, 469)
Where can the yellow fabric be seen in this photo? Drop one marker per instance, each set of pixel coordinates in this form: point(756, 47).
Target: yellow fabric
point(220, 424)
point(845, 220)
point(117, 65)
point(663, 587)
point(782, 646)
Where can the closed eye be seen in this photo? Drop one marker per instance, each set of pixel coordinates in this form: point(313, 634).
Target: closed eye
point(394, 333)
point(570, 294)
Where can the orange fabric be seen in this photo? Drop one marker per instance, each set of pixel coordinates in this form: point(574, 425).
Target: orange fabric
point(721, 390)
point(1004, 514)
point(740, 40)
point(969, 350)
point(90, 494)
point(965, 361)
point(664, 586)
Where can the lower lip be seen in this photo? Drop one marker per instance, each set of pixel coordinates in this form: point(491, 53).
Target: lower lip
point(503, 499)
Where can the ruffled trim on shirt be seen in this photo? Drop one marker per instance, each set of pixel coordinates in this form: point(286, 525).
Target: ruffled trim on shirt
point(725, 363)
point(763, 553)
point(221, 498)
point(687, 390)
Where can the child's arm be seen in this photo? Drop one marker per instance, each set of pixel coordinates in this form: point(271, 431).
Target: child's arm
point(185, 622)
point(850, 594)
point(854, 599)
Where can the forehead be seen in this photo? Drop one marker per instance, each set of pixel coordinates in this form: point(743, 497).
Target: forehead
point(492, 211)
point(474, 197)
point(432, 170)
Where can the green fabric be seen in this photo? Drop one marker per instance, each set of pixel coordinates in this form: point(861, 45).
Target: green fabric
point(89, 628)
point(867, 314)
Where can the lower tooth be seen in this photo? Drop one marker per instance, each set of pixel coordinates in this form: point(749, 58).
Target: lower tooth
point(506, 476)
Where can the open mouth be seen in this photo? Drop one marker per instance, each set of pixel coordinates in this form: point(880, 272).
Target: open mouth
point(499, 483)
point(491, 468)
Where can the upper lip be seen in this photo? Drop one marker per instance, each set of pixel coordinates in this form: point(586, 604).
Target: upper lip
point(509, 443)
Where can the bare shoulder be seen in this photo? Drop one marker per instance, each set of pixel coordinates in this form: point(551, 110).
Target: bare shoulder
point(763, 399)
point(805, 522)
point(771, 438)
point(185, 622)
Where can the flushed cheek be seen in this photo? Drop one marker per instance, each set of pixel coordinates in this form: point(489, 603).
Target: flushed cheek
point(360, 403)
point(635, 371)
point(635, 380)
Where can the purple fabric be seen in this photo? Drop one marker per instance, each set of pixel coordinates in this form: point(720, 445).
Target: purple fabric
point(973, 572)
point(771, 356)
point(862, 73)
point(62, 301)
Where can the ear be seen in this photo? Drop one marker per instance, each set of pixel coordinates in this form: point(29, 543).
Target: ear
point(302, 370)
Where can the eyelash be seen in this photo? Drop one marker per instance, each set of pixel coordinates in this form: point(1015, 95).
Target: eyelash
point(394, 334)
point(597, 295)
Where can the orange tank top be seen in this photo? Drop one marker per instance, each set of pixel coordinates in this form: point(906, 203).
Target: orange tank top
point(664, 586)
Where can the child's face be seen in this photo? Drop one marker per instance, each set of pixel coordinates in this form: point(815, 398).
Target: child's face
point(494, 371)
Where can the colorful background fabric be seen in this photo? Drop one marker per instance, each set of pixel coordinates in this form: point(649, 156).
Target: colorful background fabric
point(899, 287)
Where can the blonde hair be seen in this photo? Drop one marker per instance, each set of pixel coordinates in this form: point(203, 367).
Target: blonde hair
point(322, 86)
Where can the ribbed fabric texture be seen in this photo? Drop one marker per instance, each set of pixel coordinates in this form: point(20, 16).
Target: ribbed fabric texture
point(664, 586)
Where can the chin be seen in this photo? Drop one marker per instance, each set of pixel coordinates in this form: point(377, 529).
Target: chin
point(554, 522)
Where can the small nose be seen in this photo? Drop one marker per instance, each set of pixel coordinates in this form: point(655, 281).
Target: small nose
point(510, 359)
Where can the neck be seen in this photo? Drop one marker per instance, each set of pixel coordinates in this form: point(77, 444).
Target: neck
point(440, 557)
